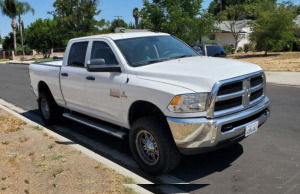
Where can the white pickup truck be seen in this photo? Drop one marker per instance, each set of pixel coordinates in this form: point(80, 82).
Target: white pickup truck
point(155, 90)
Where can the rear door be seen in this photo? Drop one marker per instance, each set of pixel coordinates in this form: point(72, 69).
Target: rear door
point(73, 77)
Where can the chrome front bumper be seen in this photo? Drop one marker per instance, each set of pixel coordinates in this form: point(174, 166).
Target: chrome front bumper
point(195, 135)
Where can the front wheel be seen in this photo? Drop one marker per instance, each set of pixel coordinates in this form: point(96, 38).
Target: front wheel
point(152, 146)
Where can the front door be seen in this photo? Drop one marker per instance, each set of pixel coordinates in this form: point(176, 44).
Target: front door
point(103, 92)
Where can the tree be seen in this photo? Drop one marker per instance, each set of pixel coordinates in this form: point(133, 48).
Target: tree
point(136, 15)
point(8, 41)
point(298, 10)
point(178, 17)
point(230, 17)
point(23, 8)
point(8, 8)
point(131, 25)
point(77, 18)
point(273, 30)
point(43, 35)
point(215, 7)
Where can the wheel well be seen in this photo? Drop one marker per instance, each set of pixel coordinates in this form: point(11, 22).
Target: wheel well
point(141, 109)
point(43, 87)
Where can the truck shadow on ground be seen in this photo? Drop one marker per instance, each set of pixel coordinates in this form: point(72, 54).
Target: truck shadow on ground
point(198, 166)
point(190, 169)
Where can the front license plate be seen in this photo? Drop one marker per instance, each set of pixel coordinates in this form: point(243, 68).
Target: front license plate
point(252, 128)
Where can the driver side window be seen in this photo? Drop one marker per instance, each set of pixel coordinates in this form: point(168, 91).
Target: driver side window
point(101, 50)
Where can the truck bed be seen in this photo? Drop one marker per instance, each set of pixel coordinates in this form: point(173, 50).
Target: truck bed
point(51, 63)
point(47, 72)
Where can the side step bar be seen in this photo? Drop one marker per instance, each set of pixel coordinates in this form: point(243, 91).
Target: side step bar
point(111, 131)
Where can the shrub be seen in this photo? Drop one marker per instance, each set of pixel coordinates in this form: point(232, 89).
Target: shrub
point(296, 45)
point(247, 48)
point(228, 48)
point(240, 49)
point(22, 59)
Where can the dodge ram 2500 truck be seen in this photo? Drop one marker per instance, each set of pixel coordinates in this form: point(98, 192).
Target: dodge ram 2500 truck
point(155, 90)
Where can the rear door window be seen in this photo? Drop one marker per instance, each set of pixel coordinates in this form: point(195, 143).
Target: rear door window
point(77, 54)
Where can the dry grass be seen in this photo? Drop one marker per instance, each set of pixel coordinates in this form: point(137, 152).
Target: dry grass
point(9, 124)
point(33, 162)
point(275, 61)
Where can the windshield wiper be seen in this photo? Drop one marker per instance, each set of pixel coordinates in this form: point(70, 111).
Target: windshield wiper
point(181, 56)
point(149, 62)
point(160, 60)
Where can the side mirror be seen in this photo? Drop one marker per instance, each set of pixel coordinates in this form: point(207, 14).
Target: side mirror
point(98, 65)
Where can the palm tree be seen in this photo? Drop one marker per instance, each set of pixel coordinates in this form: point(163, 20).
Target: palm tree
point(136, 15)
point(8, 8)
point(23, 8)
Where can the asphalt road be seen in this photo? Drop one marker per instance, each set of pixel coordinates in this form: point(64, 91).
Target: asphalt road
point(265, 162)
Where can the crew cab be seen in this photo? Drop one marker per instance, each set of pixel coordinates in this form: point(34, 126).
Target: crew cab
point(154, 91)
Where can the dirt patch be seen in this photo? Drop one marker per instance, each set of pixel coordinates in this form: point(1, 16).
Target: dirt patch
point(279, 61)
point(9, 123)
point(33, 162)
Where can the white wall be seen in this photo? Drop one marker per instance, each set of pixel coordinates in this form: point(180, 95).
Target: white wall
point(227, 38)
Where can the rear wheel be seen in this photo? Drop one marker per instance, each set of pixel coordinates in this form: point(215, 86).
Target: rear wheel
point(152, 145)
point(49, 110)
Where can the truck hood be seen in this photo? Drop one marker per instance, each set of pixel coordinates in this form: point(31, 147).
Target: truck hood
point(198, 74)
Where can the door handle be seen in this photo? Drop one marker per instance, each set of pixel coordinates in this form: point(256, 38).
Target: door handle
point(64, 74)
point(91, 78)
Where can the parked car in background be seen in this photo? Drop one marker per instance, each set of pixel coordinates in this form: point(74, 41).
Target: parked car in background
point(211, 50)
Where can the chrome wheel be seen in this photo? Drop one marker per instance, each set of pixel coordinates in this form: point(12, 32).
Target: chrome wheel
point(45, 108)
point(147, 147)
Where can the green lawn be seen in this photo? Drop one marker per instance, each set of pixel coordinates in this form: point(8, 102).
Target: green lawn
point(45, 59)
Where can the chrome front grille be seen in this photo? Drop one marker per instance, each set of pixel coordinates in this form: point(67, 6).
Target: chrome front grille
point(236, 94)
point(230, 88)
point(256, 95)
point(230, 103)
point(256, 81)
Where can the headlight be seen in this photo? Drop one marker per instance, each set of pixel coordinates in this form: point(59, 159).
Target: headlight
point(189, 103)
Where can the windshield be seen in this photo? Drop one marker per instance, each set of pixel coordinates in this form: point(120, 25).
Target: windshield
point(215, 51)
point(153, 49)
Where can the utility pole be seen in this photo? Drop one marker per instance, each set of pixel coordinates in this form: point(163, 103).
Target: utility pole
point(119, 24)
point(221, 6)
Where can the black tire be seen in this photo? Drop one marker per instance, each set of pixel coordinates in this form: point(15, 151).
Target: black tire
point(168, 157)
point(54, 111)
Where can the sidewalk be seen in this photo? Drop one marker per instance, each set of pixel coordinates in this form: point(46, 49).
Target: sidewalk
point(16, 62)
point(284, 78)
point(20, 62)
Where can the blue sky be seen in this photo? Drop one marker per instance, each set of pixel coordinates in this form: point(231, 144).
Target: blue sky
point(110, 8)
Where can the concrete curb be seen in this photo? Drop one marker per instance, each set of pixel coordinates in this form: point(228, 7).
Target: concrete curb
point(89, 153)
point(18, 63)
